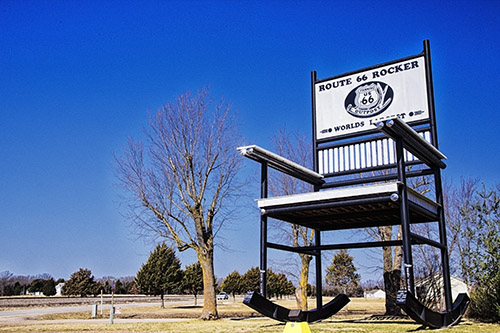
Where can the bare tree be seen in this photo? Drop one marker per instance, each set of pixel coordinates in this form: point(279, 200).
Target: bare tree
point(5, 278)
point(457, 203)
point(295, 147)
point(181, 179)
point(392, 261)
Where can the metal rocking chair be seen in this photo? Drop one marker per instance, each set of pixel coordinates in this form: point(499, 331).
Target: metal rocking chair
point(367, 144)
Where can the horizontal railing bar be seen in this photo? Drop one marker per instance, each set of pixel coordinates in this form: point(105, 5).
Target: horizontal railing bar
point(368, 169)
point(314, 249)
point(413, 142)
point(424, 240)
point(282, 164)
point(369, 179)
point(416, 239)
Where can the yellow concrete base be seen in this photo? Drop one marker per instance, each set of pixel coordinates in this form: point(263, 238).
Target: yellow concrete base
point(302, 327)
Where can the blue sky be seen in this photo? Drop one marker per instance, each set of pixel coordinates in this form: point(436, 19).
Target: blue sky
point(79, 77)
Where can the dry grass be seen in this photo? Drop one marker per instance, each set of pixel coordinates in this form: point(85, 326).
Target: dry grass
point(237, 318)
point(226, 309)
point(228, 325)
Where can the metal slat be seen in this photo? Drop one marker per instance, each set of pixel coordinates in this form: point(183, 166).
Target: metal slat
point(362, 155)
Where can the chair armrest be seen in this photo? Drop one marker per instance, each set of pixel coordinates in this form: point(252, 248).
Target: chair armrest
point(282, 164)
point(413, 142)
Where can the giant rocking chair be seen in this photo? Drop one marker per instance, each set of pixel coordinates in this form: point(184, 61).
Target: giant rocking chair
point(373, 130)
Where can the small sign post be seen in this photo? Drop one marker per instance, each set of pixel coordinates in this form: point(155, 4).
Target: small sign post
point(111, 315)
point(102, 300)
point(112, 310)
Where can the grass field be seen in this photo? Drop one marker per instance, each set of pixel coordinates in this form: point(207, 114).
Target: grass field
point(360, 316)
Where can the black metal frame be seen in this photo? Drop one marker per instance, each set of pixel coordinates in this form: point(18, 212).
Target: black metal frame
point(405, 138)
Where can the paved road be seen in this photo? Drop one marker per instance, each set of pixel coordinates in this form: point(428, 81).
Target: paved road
point(19, 315)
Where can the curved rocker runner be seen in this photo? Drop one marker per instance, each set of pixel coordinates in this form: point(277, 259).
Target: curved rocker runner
point(426, 317)
point(280, 313)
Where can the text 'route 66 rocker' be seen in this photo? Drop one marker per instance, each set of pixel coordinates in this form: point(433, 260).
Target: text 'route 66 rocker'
point(373, 130)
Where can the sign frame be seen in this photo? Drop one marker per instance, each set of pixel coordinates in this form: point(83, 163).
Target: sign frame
point(391, 86)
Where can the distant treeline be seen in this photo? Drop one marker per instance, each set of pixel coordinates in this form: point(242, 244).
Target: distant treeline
point(45, 284)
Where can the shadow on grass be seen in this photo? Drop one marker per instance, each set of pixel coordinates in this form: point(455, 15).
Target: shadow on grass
point(371, 320)
point(383, 319)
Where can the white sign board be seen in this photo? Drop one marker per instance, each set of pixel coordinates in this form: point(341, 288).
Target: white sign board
point(355, 102)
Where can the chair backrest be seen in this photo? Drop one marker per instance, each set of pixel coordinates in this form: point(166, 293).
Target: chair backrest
point(348, 149)
point(361, 156)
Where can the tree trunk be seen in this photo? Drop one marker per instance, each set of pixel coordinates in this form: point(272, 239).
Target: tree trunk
point(301, 290)
point(209, 311)
point(162, 301)
point(392, 272)
point(392, 285)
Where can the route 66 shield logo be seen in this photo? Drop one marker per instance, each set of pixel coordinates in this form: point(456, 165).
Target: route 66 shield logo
point(369, 99)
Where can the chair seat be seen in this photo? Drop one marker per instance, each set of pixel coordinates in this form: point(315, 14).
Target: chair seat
point(346, 208)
